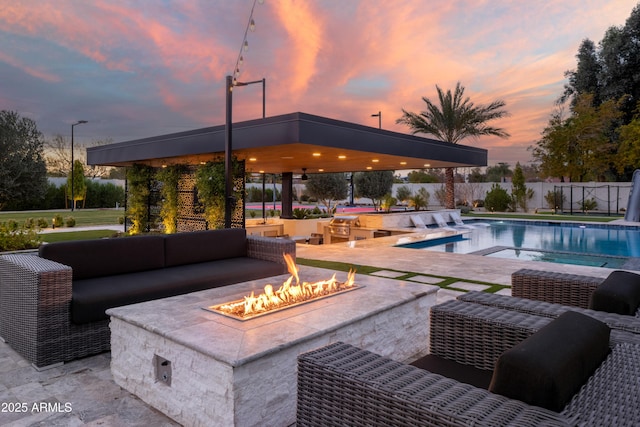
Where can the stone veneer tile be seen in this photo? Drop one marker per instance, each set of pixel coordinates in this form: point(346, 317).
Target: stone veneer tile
point(468, 286)
point(388, 274)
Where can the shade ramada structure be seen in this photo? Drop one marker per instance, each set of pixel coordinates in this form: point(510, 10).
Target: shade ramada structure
point(289, 143)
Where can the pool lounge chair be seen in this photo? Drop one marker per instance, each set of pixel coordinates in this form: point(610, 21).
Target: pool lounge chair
point(439, 220)
point(457, 219)
point(343, 385)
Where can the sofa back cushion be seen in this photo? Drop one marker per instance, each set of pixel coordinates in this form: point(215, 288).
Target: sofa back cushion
point(619, 293)
point(106, 257)
point(550, 366)
point(203, 246)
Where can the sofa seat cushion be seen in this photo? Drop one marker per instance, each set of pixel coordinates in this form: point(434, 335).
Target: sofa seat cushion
point(105, 257)
point(92, 297)
point(618, 293)
point(467, 374)
point(203, 246)
point(550, 366)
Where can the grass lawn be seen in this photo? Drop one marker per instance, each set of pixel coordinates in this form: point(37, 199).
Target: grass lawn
point(76, 235)
point(543, 216)
point(83, 217)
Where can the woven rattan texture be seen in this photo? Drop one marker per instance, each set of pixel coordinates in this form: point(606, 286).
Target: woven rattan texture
point(341, 385)
point(35, 296)
point(559, 288)
point(270, 249)
point(547, 309)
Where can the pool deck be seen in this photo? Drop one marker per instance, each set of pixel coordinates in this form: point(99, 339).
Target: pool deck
point(94, 399)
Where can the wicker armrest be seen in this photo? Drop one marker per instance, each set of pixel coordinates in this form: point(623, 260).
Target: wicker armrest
point(559, 288)
point(477, 335)
point(552, 310)
point(35, 296)
point(343, 385)
point(270, 249)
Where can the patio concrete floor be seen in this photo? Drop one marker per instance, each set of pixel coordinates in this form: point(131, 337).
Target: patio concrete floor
point(92, 398)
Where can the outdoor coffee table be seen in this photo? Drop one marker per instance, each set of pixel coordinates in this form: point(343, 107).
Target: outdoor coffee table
point(202, 368)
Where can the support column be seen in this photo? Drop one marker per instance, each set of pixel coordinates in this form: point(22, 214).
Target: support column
point(287, 195)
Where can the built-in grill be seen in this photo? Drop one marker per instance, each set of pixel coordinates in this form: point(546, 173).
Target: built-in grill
point(341, 225)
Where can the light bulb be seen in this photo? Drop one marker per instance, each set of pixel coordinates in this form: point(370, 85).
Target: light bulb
point(252, 25)
point(246, 46)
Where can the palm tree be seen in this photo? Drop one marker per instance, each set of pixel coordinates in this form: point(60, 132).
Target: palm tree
point(455, 119)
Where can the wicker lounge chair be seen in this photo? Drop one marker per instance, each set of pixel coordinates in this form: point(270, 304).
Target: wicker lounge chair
point(343, 385)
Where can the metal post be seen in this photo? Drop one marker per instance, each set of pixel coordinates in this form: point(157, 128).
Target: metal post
point(228, 149)
point(264, 98)
point(264, 210)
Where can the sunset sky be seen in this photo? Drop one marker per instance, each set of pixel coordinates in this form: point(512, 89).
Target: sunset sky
point(139, 68)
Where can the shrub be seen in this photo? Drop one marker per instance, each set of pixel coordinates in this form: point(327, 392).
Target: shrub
point(587, 205)
point(17, 238)
point(29, 223)
point(70, 221)
point(497, 199)
point(388, 202)
point(42, 223)
point(555, 199)
point(57, 220)
point(300, 213)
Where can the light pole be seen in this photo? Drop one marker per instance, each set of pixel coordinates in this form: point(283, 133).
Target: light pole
point(379, 116)
point(73, 201)
point(228, 143)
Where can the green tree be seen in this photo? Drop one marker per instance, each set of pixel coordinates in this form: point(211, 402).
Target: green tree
point(79, 185)
point(519, 191)
point(476, 175)
point(628, 155)
point(421, 177)
point(585, 78)
point(581, 146)
point(139, 182)
point(403, 193)
point(499, 172)
point(23, 180)
point(170, 178)
point(453, 120)
point(374, 185)
point(327, 187)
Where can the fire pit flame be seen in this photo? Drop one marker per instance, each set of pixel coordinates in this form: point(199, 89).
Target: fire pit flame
point(285, 296)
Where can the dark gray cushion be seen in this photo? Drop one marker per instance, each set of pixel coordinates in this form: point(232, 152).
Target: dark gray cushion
point(550, 366)
point(619, 293)
point(105, 257)
point(203, 246)
point(457, 371)
point(92, 297)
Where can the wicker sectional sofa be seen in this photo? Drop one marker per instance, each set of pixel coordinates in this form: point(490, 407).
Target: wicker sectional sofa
point(344, 385)
point(52, 306)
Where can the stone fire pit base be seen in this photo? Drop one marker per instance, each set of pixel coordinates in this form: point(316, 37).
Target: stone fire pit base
point(201, 368)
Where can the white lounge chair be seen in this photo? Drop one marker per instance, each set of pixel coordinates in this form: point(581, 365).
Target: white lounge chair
point(457, 219)
point(441, 222)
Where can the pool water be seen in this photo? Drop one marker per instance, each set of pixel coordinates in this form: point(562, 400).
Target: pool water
point(568, 243)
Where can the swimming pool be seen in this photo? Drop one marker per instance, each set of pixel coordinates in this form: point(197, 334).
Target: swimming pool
point(598, 245)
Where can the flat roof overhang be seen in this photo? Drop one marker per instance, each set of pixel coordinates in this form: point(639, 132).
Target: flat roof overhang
point(291, 142)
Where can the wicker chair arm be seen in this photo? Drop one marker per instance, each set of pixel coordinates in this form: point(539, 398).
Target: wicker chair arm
point(344, 385)
point(549, 286)
point(35, 295)
point(270, 249)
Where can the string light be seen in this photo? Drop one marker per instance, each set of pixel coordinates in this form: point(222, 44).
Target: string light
point(244, 47)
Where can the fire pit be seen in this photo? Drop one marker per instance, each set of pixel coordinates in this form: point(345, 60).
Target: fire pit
point(202, 368)
point(286, 296)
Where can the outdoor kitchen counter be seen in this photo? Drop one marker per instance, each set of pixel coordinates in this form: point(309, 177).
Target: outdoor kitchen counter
point(230, 372)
